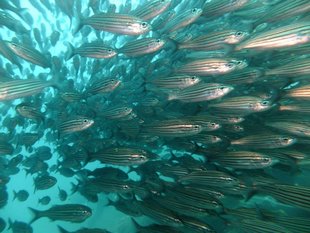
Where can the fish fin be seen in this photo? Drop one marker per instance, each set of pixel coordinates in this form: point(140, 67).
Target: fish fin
point(37, 214)
point(79, 22)
point(14, 195)
point(62, 230)
point(70, 52)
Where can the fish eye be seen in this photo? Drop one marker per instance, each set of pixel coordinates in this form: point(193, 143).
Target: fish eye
point(144, 24)
point(158, 40)
point(85, 120)
point(109, 50)
point(239, 33)
point(213, 124)
point(194, 10)
point(193, 78)
point(125, 186)
point(286, 140)
point(196, 127)
point(265, 103)
point(230, 65)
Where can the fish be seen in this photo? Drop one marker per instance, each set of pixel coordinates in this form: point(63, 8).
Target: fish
point(201, 92)
point(76, 124)
point(74, 213)
point(183, 19)
point(123, 156)
point(16, 89)
point(211, 66)
point(44, 182)
point(151, 9)
point(124, 24)
point(281, 37)
point(29, 54)
point(142, 47)
point(30, 112)
point(84, 230)
point(21, 195)
point(95, 49)
point(174, 82)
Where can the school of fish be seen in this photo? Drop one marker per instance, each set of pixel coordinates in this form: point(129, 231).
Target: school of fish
point(195, 112)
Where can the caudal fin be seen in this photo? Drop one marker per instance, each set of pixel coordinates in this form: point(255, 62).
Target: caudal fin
point(70, 52)
point(62, 230)
point(37, 214)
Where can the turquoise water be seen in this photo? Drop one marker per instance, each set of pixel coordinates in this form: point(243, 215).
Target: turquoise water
point(139, 129)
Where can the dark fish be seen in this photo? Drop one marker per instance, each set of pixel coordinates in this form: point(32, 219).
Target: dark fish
point(19, 227)
point(44, 182)
point(31, 112)
point(84, 230)
point(21, 195)
point(62, 194)
point(44, 200)
point(75, 213)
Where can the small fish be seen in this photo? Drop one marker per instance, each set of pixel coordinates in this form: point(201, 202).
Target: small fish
point(44, 200)
point(242, 105)
point(211, 66)
point(151, 9)
point(18, 227)
point(299, 93)
point(183, 19)
point(44, 182)
point(29, 54)
point(292, 69)
point(76, 124)
point(142, 46)
point(201, 92)
point(220, 7)
point(123, 24)
point(172, 128)
point(84, 230)
point(123, 156)
point(16, 89)
point(30, 112)
point(116, 112)
point(174, 82)
point(74, 213)
point(281, 37)
point(21, 195)
point(96, 49)
point(215, 40)
point(101, 86)
point(62, 194)
point(264, 141)
point(257, 225)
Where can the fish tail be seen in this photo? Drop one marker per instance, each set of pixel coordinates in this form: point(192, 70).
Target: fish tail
point(79, 23)
point(36, 213)
point(70, 52)
point(14, 195)
point(62, 230)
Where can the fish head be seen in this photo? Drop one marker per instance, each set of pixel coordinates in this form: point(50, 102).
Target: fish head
point(192, 80)
point(215, 139)
point(141, 27)
point(111, 53)
point(236, 37)
point(261, 105)
point(195, 12)
point(225, 89)
point(213, 126)
point(286, 141)
point(86, 123)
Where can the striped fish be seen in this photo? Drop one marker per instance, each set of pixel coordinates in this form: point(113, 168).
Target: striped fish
point(117, 23)
point(211, 66)
point(281, 37)
point(241, 105)
point(209, 178)
point(74, 213)
point(171, 128)
point(243, 160)
point(29, 112)
point(214, 40)
point(151, 9)
point(102, 86)
point(84, 230)
point(95, 49)
point(264, 141)
point(300, 128)
point(21, 88)
point(201, 92)
point(9, 54)
point(174, 82)
point(142, 46)
point(76, 124)
point(259, 226)
point(183, 19)
point(220, 7)
point(294, 68)
point(123, 156)
point(29, 54)
point(248, 75)
point(44, 182)
point(117, 112)
point(301, 92)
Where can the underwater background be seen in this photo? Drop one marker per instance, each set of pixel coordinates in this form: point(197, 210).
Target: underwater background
point(154, 116)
